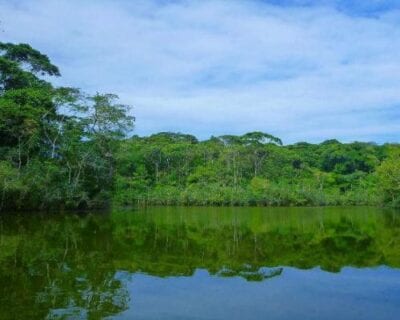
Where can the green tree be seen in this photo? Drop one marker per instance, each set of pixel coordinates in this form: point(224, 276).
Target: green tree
point(57, 145)
point(389, 178)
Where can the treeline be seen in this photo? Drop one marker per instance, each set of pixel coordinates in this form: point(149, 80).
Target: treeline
point(61, 148)
point(57, 145)
point(255, 169)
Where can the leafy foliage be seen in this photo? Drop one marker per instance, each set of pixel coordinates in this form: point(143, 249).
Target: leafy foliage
point(253, 169)
point(57, 145)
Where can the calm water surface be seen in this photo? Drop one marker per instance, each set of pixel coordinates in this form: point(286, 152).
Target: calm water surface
point(202, 263)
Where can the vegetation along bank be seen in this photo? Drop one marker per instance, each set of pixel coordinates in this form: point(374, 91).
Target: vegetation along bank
point(62, 148)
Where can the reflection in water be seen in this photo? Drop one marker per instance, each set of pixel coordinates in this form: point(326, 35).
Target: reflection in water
point(70, 266)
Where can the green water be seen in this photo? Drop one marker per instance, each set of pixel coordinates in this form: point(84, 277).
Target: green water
point(202, 263)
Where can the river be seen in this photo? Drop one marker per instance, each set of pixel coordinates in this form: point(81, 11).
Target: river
point(201, 263)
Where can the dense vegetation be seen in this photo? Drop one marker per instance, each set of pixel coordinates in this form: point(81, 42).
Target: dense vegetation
point(255, 169)
point(54, 265)
point(61, 148)
point(57, 145)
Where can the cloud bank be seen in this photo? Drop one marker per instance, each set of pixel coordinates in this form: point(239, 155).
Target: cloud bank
point(290, 68)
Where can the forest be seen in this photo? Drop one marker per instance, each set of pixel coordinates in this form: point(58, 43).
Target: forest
point(61, 148)
point(254, 169)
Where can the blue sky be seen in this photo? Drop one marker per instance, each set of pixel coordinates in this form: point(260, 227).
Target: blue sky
point(299, 69)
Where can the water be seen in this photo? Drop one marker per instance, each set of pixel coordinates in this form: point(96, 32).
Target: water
point(202, 263)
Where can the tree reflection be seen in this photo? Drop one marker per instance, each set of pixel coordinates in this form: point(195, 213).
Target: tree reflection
point(66, 266)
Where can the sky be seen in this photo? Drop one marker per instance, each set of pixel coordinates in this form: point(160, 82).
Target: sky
point(301, 70)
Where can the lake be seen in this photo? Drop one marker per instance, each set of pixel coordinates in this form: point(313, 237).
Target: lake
point(202, 263)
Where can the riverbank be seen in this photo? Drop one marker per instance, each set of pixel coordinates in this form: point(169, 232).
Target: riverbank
point(276, 196)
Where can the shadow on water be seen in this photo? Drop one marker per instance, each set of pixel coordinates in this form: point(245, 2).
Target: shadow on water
point(65, 266)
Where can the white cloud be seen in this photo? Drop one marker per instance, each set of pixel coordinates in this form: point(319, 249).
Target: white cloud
point(216, 67)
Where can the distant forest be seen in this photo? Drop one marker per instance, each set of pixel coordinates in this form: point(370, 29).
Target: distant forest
point(255, 169)
point(63, 149)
